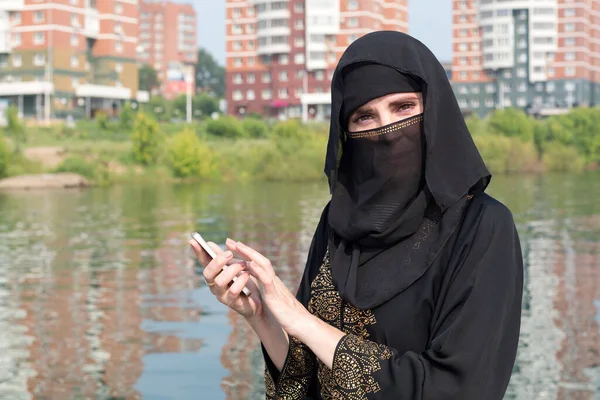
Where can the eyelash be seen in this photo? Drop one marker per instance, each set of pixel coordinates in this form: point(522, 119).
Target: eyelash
point(401, 107)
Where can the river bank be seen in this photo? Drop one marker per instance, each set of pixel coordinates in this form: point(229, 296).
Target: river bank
point(138, 148)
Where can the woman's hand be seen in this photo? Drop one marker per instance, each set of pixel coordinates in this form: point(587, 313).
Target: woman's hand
point(280, 302)
point(218, 281)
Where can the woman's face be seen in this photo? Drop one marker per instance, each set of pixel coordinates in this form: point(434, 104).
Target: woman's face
point(385, 110)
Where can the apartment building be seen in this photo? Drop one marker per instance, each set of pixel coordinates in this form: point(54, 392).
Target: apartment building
point(539, 55)
point(68, 57)
point(281, 54)
point(168, 43)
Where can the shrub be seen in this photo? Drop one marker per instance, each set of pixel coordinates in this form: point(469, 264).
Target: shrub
point(146, 140)
point(188, 156)
point(506, 155)
point(511, 122)
point(14, 127)
point(4, 157)
point(227, 127)
point(102, 120)
point(77, 165)
point(255, 128)
point(289, 129)
point(126, 117)
point(562, 158)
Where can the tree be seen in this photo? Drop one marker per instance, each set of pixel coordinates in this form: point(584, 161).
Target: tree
point(511, 122)
point(210, 76)
point(203, 105)
point(148, 78)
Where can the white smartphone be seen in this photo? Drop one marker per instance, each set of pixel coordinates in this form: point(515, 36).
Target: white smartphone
point(198, 238)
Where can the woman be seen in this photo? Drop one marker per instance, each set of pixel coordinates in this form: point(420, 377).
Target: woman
point(413, 284)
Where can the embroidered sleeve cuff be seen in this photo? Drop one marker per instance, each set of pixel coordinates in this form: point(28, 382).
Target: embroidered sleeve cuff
point(354, 362)
point(294, 380)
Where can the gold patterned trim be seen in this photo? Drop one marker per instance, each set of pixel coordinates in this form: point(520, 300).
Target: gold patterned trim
point(385, 129)
point(269, 385)
point(354, 363)
point(296, 373)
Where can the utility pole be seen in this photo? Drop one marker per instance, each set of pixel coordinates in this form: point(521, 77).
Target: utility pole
point(49, 65)
point(188, 84)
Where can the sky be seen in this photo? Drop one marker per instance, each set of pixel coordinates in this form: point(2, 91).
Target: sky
point(432, 28)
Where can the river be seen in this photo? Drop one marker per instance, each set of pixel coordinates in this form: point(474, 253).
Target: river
point(100, 296)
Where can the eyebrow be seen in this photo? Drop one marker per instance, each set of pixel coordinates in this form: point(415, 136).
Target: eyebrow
point(399, 99)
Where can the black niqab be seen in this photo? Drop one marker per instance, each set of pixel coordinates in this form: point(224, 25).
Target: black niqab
point(385, 234)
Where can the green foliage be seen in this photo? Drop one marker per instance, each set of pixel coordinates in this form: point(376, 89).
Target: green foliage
point(4, 157)
point(146, 140)
point(15, 128)
point(227, 127)
point(562, 158)
point(506, 154)
point(126, 117)
point(255, 128)
point(476, 125)
point(148, 78)
point(203, 105)
point(188, 156)
point(77, 165)
point(159, 108)
point(102, 120)
point(511, 122)
point(210, 76)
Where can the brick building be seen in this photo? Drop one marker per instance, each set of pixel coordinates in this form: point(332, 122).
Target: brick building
point(168, 43)
point(68, 57)
point(542, 56)
point(281, 54)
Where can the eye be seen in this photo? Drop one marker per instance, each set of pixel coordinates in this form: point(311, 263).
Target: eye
point(362, 118)
point(406, 106)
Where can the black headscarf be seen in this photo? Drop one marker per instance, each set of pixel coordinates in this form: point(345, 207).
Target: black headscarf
point(398, 195)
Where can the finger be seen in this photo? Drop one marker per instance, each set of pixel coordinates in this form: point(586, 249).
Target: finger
point(259, 273)
point(202, 256)
point(222, 280)
point(236, 288)
point(215, 266)
point(254, 256)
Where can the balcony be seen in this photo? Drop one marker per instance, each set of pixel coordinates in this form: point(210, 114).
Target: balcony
point(271, 48)
point(5, 46)
point(12, 5)
point(274, 31)
point(91, 27)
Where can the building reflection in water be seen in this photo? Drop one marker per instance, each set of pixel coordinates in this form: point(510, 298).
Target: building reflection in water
point(80, 313)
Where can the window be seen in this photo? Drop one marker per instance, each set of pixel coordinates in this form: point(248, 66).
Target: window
point(237, 12)
point(299, 6)
point(490, 88)
point(352, 38)
point(522, 58)
point(74, 61)
point(463, 60)
point(475, 46)
point(463, 90)
point(522, 87)
point(569, 41)
point(251, 78)
point(550, 87)
point(119, 47)
point(475, 89)
point(299, 58)
point(463, 47)
point(489, 102)
point(236, 29)
point(522, 44)
point(118, 28)
point(570, 71)
point(569, 56)
point(74, 20)
point(299, 41)
point(74, 40)
point(3, 60)
point(475, 103)
point(569, 27)
point(38, 16)
point(39, 38)
point(283, 93)
point(551, 71)
point(250, 61)
point(250, 95)
point(237, 45)
point(266, 94)
point(237, 79)
point(352, 4)
point(16, 19)
point(118, 8)
point(266, 77)
point(521, 72)
point(237, 62)
point(569, 12)
point(283, 76)
point(119, 67)
point(507, 74)
point(319, 75)
point(39, 59)
point(463, 75)
point(284, 59)
point(463, 103)
point(17, 60)
point(352, 22)
point(250, 11)
point(237, 95)
point(75, 82)
point(299, 24)
point(475, 74)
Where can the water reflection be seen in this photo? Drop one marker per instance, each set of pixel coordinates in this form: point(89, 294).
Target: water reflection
point(99, 297)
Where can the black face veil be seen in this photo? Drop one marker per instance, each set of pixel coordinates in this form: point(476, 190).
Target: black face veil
point(369, 266)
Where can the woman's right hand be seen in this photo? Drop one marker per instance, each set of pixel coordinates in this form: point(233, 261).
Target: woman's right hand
point(250, 307)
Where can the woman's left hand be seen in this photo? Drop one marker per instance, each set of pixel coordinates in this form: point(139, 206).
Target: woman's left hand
point(282, 304)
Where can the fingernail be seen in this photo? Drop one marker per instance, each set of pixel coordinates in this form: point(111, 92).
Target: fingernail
point(229, 241)
point(241, 244)
point(228, 254)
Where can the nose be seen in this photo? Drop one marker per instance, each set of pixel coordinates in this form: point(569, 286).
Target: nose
point(386, 117)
